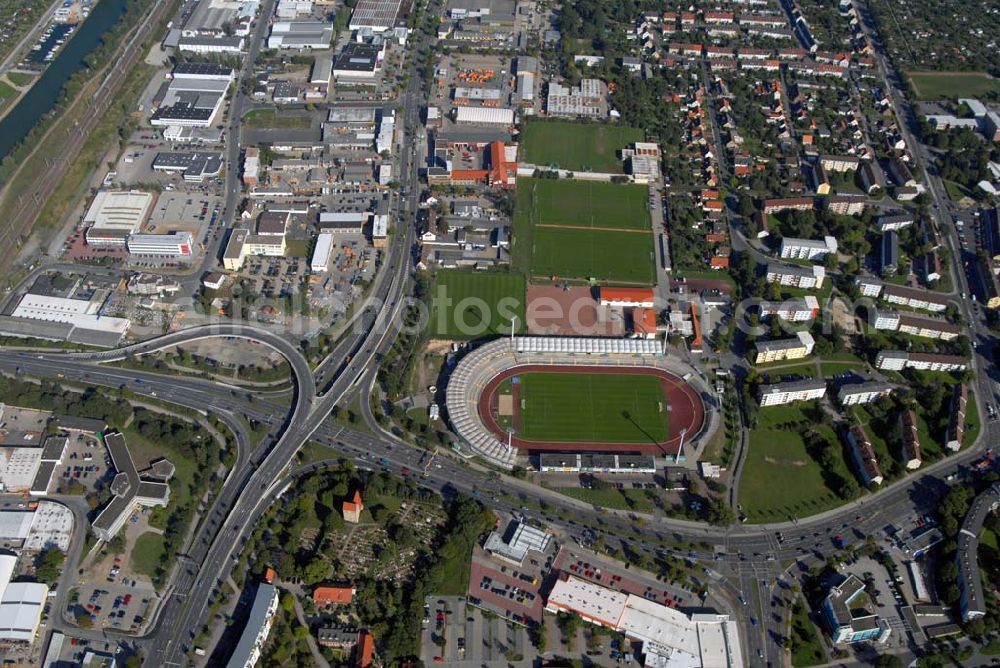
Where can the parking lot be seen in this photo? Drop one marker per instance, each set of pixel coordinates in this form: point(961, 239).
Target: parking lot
point(85, 461)
point(588, 566)
point(471, 637)
point(509, 591)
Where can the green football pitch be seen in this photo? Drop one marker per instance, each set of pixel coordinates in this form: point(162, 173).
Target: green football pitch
point(583, 230)
point(589, 147)
point(592, 408)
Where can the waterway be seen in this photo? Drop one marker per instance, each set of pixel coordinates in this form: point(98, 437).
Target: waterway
point(42, 97)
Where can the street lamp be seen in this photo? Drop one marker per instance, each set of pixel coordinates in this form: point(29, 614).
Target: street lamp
point(680, 446)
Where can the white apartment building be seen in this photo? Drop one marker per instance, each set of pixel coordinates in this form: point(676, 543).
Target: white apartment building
point(796, 277)
point(862, 393)
point(886, 319)
point(785, 393)
point(914, 298)
point(807, 249)
point(784, 349)
point(792, 310)
point(868, 287)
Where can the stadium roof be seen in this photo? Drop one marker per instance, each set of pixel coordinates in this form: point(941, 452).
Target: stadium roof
point(595, 346)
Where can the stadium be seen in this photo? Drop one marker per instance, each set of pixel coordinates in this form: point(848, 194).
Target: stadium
point(526, 395)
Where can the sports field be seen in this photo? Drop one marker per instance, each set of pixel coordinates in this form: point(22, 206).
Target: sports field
point(579, 147)
point(591, 407)
point(583, 230)
point(466, 303)
point(587, 204)
point(938, 85)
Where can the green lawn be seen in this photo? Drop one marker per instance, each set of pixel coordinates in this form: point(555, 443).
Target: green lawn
point(988, 538)
point(582, 230)
point(298, 248)
point(576, 146)
point(937, 85)
point(780, 479)
point(270, 118)
point(466, 303)
point(603, 408)
point(20, 78)
point(147, 553)
point(616, 499)
point(806, 647)
point(7, 94)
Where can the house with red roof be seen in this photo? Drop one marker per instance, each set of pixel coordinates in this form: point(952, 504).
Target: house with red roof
point(626, 297)
point(364, 650)
point(353, 507)
point(333, 595)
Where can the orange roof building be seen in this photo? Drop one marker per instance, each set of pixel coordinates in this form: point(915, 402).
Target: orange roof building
point(630, 297)
point(697, 345)
point(644, 323)
point(269, 575)
point(364, 650)
point(353, 508)
point(500, 169)
point(333, 595)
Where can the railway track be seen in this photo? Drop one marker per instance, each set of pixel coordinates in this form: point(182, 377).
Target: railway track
point(30, 203)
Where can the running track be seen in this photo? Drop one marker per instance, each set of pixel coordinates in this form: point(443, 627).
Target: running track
point(686, 411)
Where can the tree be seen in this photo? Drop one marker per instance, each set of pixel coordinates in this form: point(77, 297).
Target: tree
point(48, 564)
point(287, 602)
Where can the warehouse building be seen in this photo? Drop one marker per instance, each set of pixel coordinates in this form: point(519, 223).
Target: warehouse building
point(195, 167)
point(79, 313)
point(113, 215)
point(175, 244)
point(343, 222)
point(21, 604)
point(191, 98)
point(377, 16)
point(484, 116)
point(300, 35)
point(667, 636)
point(359, 63)
point(320, 260)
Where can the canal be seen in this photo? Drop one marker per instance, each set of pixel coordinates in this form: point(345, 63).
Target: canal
point(40, 99)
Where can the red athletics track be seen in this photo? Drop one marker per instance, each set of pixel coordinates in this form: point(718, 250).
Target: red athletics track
point(686, 410)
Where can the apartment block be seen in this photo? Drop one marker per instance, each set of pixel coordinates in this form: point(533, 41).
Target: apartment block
point(785, 393)
point(795, 276)
point(807, 249)
point(784, 349)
